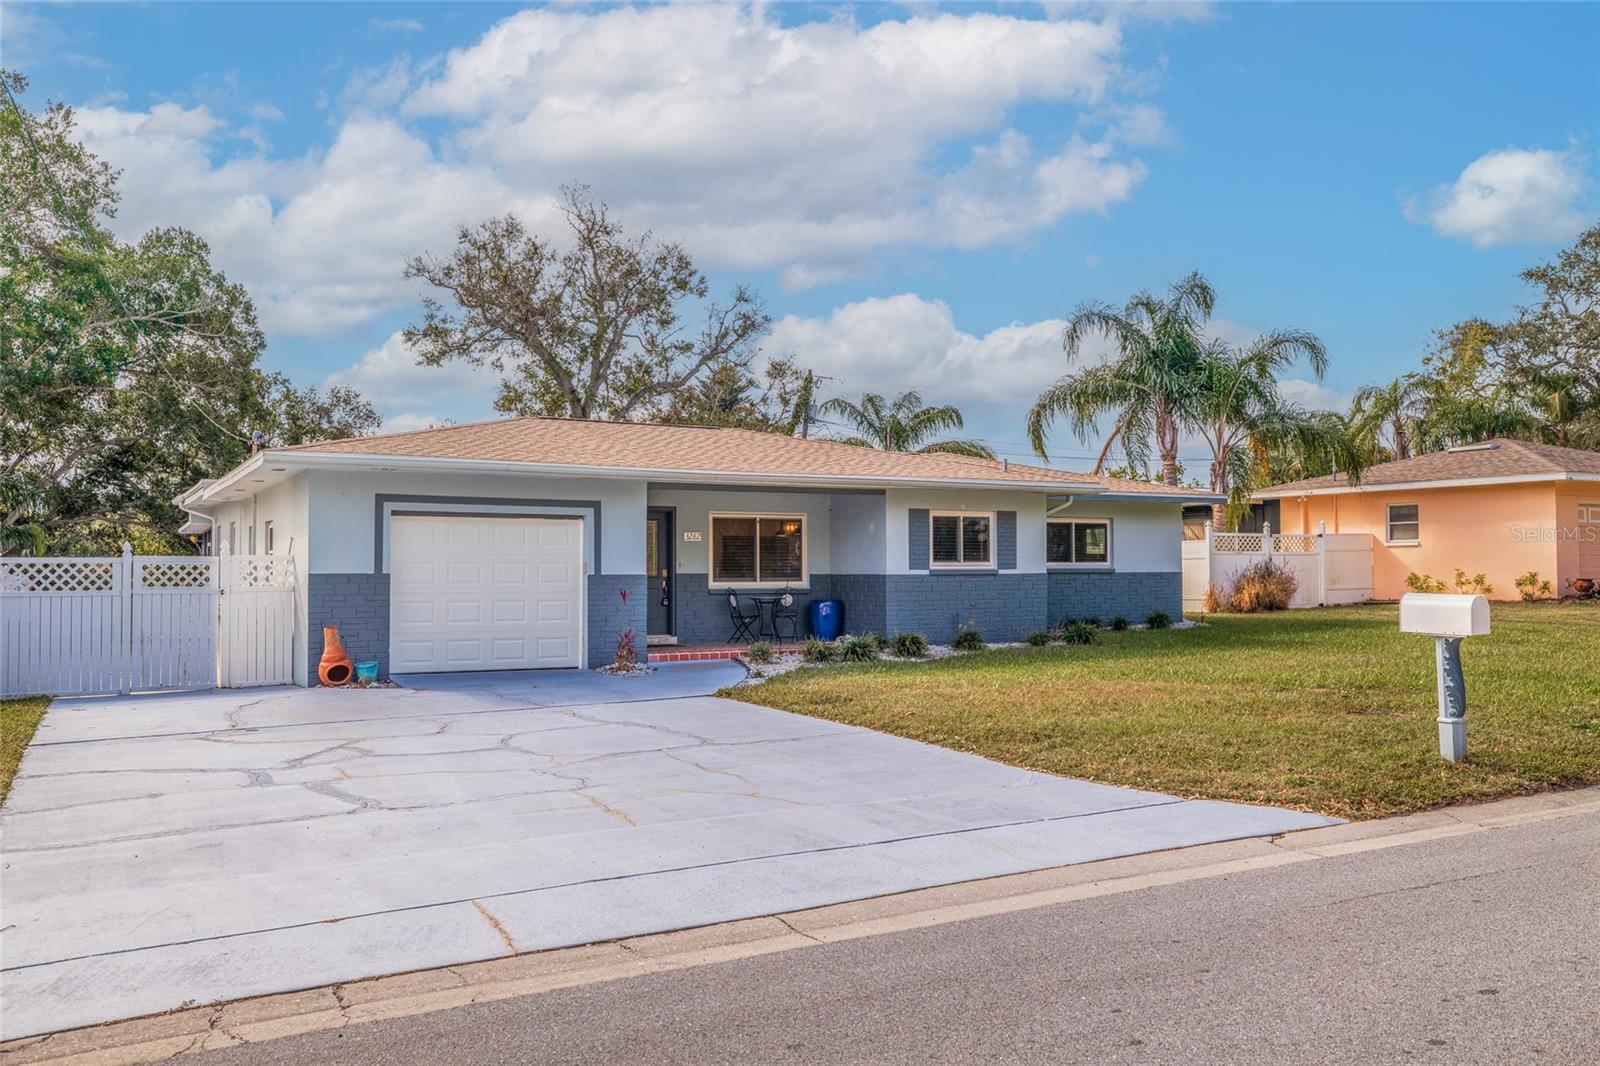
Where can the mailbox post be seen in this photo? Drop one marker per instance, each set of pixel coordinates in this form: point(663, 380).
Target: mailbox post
point(1447, 619)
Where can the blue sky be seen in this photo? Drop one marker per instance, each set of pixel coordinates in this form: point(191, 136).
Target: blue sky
point(920, 192)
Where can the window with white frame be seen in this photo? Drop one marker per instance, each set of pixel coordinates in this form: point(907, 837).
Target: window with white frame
point(1404, 527)
point(266, 536)
point(758, 549)
point(961, 539)
point(1078, 542)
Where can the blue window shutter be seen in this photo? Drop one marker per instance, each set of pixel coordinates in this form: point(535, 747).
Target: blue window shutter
point(1005, 544)
point(917, 539)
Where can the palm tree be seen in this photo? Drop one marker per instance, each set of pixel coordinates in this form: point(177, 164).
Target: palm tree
point(1146, 385)
point(1236, 408)
point(903, 425)
point(1399, 407)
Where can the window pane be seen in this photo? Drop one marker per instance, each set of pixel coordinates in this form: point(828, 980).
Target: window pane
point(1058, 542)
point(1403, 531)
point(975, 540)
point(781, 549)
point(1403, 512)
point(946, 533)
point(733, 549)
point(1091, 543)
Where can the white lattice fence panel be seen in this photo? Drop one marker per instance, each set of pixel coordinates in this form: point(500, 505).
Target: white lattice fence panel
point(257, 634)
point(174, 622)
point(62, 626)
point(1294, 544)
point(1238, 543)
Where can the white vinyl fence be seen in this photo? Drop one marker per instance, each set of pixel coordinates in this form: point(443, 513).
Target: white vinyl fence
point(81, 626)
point(1330, 568)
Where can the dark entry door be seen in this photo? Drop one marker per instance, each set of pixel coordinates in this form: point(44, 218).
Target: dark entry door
point(658, 565)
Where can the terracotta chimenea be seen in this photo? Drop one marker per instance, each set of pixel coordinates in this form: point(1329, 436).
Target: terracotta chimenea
point(335, 668)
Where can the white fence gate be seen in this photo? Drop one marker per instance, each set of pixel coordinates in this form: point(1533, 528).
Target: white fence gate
point(82, 626)
point(1330, 568)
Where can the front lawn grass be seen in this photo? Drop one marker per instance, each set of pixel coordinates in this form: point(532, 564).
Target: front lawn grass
point(18, 720)
point(1329, 710)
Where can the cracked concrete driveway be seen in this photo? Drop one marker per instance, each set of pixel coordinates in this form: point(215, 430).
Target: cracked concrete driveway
point(163, 850)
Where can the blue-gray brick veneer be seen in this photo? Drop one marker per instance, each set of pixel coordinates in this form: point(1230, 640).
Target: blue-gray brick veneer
point(863, 598)
point(702, 609)
point(609, 616)
point(359, 605)
point(1107, 594)
point(1004, 606)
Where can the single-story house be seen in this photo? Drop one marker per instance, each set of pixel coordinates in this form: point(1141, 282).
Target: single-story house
point(532, 542)
point(1502, 508)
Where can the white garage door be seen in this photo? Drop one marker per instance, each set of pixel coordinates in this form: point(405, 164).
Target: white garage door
point(474, 593)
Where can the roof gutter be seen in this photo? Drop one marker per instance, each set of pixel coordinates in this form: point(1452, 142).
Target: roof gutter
point(1416, 486)
point(311, 460)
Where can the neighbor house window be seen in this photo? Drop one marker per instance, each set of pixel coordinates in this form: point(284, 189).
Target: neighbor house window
point(267, 537)
point(758, 549)
point(233, 536)
point(962, 539)
point(1078, 542)
point(1403, 525)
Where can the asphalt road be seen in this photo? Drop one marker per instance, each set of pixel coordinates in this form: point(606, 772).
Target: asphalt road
point(1481, 948)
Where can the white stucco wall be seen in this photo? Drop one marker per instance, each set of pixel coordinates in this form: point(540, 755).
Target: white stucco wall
point(858, 534)
point(1145, 537)
point(342, 510)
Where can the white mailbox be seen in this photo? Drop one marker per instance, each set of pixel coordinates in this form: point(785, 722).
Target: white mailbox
point(1447, 619)
point(1442, 615)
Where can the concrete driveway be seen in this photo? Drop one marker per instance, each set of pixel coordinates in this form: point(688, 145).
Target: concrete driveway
point(177, 849)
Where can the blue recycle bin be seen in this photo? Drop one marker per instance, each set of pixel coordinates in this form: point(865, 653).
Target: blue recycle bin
point(826, 618)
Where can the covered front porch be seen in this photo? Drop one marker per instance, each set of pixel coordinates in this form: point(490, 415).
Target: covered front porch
point(703, 541)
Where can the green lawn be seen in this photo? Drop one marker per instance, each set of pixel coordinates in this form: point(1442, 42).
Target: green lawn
point(1328, 710)
point(18, 720)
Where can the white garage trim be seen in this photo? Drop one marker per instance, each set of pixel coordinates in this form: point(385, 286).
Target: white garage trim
point(487, 592)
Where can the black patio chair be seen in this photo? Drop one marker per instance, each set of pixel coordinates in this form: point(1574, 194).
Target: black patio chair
point(741, 621)
point(784, 609)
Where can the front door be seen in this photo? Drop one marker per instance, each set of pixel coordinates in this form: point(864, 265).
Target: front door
point(658, 566)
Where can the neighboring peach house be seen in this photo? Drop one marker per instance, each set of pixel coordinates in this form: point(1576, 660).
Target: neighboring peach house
point(1501, 508)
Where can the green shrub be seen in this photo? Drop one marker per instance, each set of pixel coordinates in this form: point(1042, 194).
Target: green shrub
point(1119, 623)
point(1158, 620)
point(1423, 583)
point(1093, 620)
point(858, 649)
point(759, 652)
point(969, 638)
point(875, 639)
point(817, 650)
point(1080, 633)
point(1532, 588)
point(1041, 638)
point(1476, 584)
point(910, 645)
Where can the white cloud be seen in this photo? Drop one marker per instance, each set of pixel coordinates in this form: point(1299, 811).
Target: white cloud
point(411, 396)
point(1510, 196)
point(808, 149)
point(807, 146)
point(397, 25)
point(888, 344)
point(320, 240)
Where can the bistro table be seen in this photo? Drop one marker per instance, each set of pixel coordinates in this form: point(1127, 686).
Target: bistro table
point(767, 616)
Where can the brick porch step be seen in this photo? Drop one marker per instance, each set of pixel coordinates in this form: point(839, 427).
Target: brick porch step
point(687, 653)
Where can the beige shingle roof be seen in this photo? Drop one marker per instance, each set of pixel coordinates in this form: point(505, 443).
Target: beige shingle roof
point(1501, 458)
point(704, 450)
